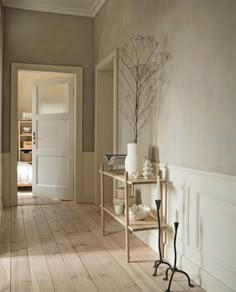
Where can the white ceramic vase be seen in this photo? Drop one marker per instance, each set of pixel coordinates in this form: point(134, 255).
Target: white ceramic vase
point(134, 160)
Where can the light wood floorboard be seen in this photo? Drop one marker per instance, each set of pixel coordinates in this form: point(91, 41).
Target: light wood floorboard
point(143, 254)
point(41, 279)
point(59, 247)
point(79, 275)
point(58, 270)
point(5, 250)
point(117, 278)
point(26, 198)
point(20, 269)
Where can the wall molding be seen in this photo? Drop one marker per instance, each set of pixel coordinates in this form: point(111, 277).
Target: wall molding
point(36, 6)
point(78, 120)
point(206, 203)
point(198, 171)
point(96, 7)
point(105, 74)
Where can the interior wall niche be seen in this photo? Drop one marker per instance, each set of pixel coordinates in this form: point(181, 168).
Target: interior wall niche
point(105, 117)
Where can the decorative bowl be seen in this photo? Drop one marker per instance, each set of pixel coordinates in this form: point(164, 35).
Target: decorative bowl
point(26, 129)
point(139, 212)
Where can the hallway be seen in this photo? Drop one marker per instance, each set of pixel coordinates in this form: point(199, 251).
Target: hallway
point(58, 247)
point(27, 198)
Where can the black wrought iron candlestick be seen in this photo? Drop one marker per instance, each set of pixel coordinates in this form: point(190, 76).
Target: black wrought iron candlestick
point(160, 261)
point(175, 269)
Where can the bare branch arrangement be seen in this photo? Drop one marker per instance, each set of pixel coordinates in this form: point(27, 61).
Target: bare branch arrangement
point(140, 64)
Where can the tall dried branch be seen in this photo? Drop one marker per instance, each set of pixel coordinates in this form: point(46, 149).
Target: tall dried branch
point(141, 65)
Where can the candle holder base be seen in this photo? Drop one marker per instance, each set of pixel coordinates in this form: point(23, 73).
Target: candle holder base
point(160, 261)
point(174, 269)
point(157, 264)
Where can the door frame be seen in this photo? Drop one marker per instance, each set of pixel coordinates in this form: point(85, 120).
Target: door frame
point(111, 58)
point(78, 112)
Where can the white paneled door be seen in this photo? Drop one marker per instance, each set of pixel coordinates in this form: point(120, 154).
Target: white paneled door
point(53, 137)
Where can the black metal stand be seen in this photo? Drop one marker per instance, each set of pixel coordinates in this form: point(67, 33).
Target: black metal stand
point(174, 269)
point(160, 261)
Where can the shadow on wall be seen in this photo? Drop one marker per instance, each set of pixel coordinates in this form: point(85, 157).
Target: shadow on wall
point(153, 153)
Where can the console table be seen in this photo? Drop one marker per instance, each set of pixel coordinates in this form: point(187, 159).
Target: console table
point(149, 222)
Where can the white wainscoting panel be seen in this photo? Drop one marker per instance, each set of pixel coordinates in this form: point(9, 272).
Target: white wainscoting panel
point(206, 243)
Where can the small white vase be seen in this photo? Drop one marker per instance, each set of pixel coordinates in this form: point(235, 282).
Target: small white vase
point(147, 169)
point(134, 159)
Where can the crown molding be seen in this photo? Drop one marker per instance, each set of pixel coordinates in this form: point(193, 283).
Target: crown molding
point(30, 5)
point(96, 7)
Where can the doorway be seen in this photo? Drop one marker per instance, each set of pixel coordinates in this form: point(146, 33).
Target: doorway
point(45, 136)
point(105, 119)
point(46, 124)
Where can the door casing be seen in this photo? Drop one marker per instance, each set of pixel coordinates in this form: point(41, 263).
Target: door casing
point(78, 106)
point(109, 63)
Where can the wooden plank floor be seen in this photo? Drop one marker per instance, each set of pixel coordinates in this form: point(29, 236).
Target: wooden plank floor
point(59, 247)
point(26, 198)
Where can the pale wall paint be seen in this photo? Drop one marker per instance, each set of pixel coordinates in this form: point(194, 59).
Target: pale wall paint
point(197, 122)
point(88, 178)
point(54, 39)
point(25, 80)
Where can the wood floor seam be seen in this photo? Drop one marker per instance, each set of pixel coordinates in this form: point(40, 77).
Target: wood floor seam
point(59, 247)
point(77, 253)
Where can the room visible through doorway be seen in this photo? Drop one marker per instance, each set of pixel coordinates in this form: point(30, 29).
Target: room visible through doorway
point(45, 137)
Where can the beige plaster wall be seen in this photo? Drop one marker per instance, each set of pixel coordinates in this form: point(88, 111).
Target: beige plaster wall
point(47, 38)
point(198, 115)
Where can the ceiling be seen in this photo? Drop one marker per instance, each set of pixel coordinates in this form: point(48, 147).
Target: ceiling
point(87, 8)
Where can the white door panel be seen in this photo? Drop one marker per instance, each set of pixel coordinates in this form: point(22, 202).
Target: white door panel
point(59, 179)
point(59, 140)
point(53, 138)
